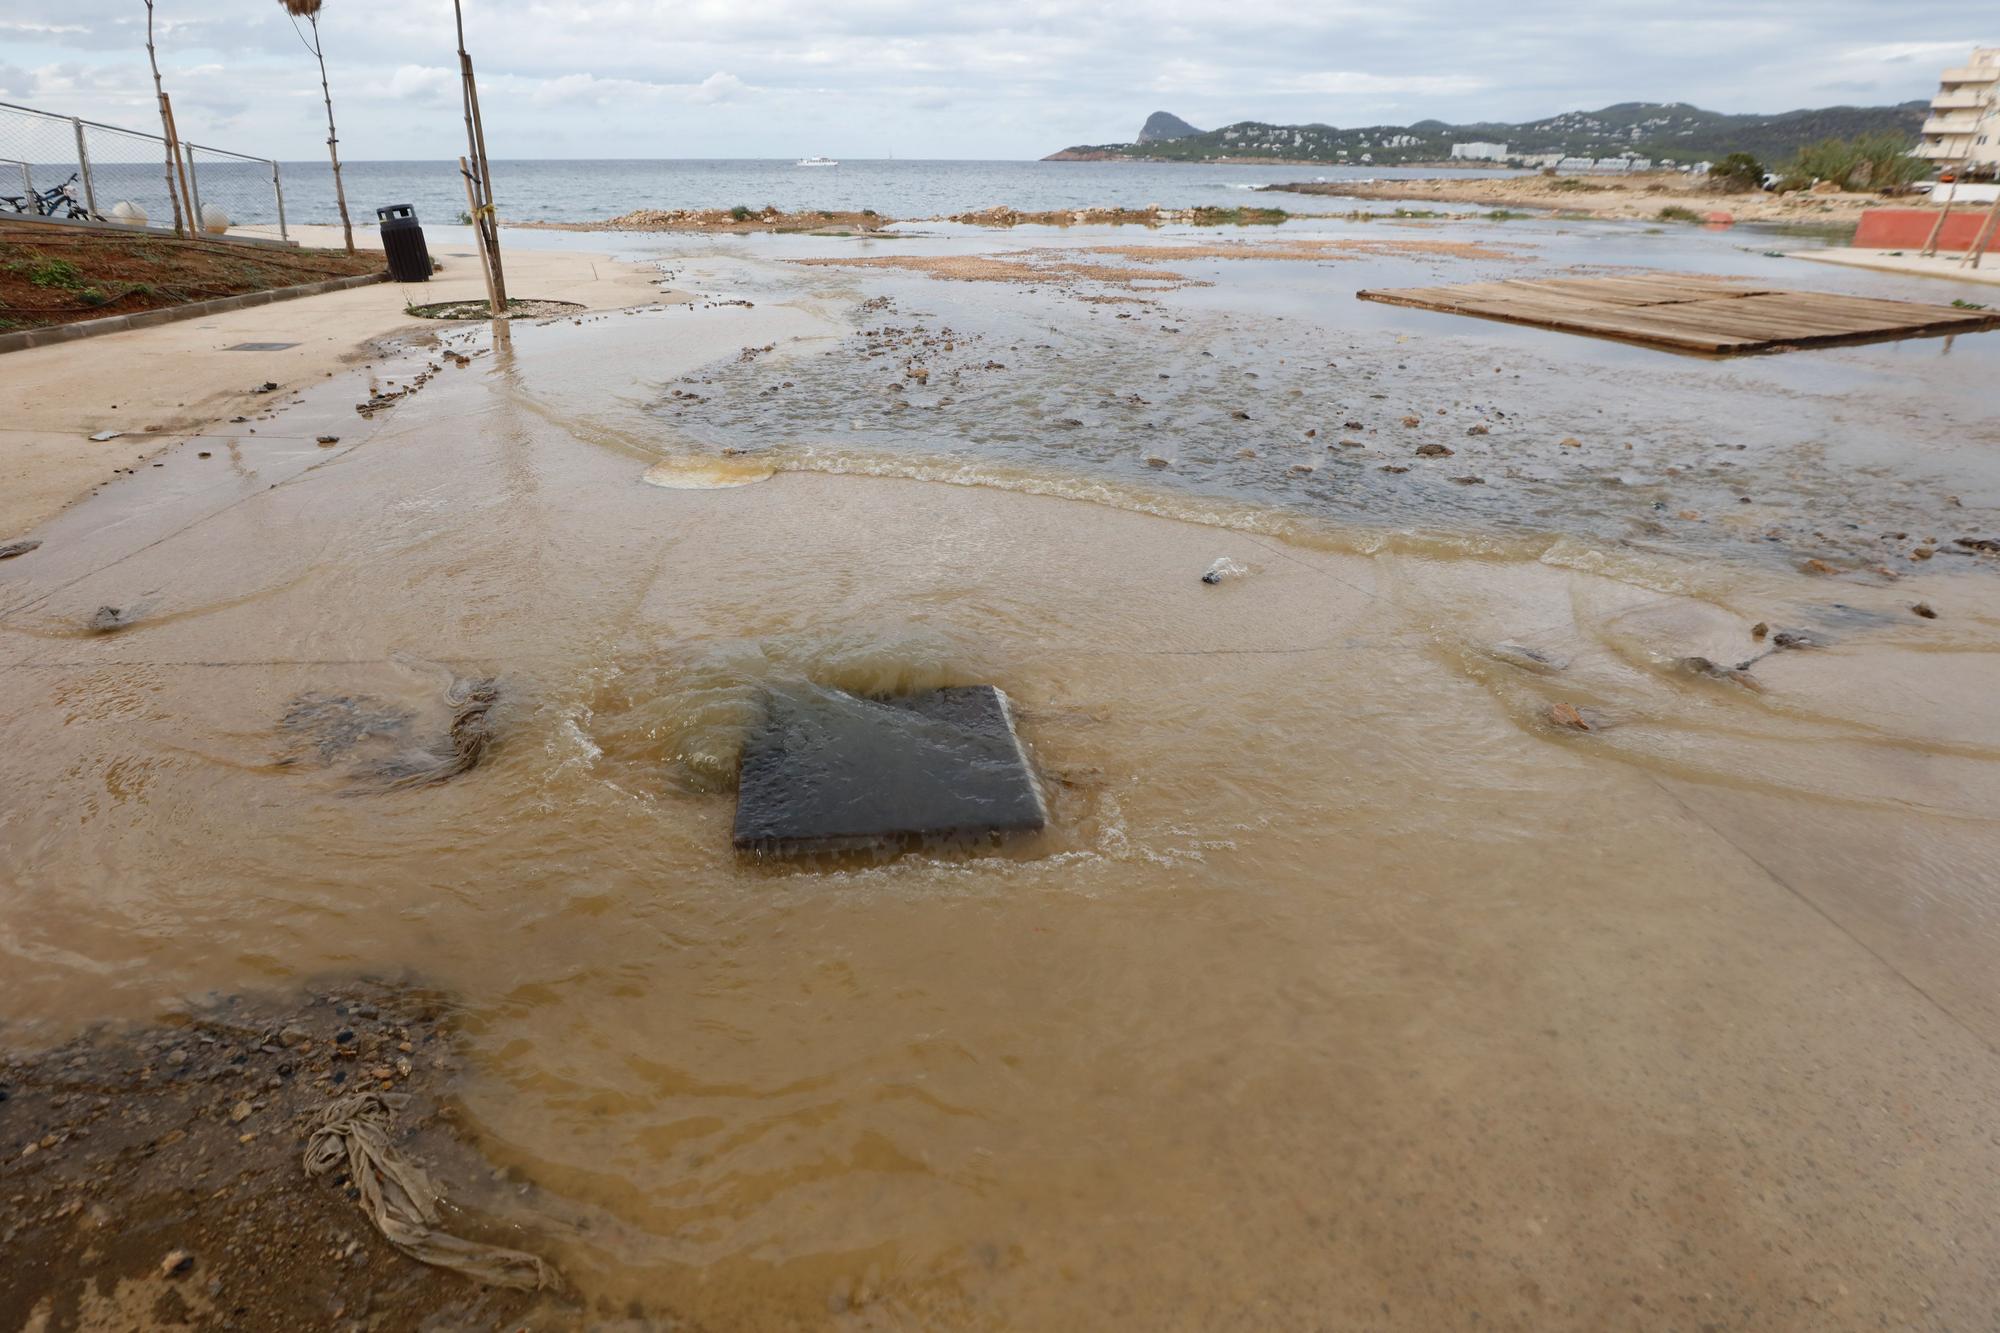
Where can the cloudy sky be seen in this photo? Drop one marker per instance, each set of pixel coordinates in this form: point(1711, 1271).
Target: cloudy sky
point(933, 78)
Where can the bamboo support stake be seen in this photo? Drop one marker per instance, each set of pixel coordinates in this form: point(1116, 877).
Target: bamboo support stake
point(1977, 250)
point(479, 179)
point(1937, 228)
point(479, 237)
point(174, 147)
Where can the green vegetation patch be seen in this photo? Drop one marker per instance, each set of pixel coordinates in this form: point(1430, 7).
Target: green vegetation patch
point(1237, 217)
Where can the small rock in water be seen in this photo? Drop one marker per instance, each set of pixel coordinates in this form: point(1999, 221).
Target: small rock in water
point(1481, 429)
point(1413, 421)
point(1433, 450)
point(1797, 638)
point(8, 550)
point(1156, 461)
point(1736, 675)
point(1470, 481)
point(1394, 467)
point(1920, 608)
point(328, 440)
point(1223, 568)
point(1566, 715)
point(1759, 630)
point(1570, 442)
point(109, 619)
point(1988, 545)
point(1818, 566)
point(1528, 659)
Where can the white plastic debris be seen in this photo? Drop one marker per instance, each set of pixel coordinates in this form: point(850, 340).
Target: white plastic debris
point(1223, 568)
point(104, 435)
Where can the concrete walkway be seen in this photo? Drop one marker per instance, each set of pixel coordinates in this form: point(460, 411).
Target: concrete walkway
point(1889, 261)
point(157, 386)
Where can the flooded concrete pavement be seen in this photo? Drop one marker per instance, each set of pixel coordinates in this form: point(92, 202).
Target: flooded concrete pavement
point(1346, 985)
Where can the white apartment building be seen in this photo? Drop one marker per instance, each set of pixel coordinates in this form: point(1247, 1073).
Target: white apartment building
point(1480, 152)
point(1964, 124)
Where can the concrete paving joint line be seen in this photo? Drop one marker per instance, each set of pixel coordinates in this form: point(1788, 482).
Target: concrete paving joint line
point(145, 319)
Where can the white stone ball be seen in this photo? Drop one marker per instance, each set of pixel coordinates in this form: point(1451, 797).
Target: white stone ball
point(213, 220)
point(128, 214)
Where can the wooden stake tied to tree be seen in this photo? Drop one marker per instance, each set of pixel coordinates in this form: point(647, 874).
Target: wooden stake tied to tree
point(479, 182)
point(309, 11)
point(166, 126)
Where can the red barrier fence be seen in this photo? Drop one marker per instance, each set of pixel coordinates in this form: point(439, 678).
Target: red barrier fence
point(1910, 228)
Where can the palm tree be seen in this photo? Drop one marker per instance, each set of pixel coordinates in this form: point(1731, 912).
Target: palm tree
point(309, 11)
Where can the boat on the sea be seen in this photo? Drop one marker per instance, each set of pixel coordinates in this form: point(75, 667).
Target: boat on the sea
point(817, 162)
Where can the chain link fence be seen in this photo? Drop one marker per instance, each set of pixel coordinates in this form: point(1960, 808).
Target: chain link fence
point(68, 168)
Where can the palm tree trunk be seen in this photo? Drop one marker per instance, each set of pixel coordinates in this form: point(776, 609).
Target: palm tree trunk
point(332, 139)
point(160, 93)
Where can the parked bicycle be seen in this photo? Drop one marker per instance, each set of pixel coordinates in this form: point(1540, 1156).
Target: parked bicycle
point(58, 201)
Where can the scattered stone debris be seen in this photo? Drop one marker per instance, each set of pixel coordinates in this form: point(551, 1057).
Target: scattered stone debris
point(1393, 467)
point(8, 550)
point(1984, 545)
point(1528, 659)
point(150, 1186)
point(1481, 429)
point(1923, 609)
point(1713, 670)
point(1434, 450)
point(1567, 715)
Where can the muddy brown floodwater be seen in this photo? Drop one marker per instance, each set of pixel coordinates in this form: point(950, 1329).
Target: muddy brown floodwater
point(1420, 938)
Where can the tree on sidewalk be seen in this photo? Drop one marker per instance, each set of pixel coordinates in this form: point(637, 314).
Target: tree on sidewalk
point(309, 11)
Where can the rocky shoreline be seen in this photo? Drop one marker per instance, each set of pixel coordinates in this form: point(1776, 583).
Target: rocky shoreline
point(1642, 196)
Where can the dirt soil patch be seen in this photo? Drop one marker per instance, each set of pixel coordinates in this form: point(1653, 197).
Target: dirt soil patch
point(58, 275)
point(523, 307)
point(1638, 196)
point(154, 1176)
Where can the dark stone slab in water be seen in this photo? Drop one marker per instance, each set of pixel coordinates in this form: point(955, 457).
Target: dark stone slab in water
point(828, 771)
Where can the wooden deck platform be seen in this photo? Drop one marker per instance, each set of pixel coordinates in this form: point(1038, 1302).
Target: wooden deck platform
point(1684, 313)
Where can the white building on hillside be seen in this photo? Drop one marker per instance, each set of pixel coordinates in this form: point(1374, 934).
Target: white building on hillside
point(1964, 124)
point(1479, 152)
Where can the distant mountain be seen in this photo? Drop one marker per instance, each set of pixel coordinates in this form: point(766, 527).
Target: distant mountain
point(1164, 126)
point(1663, 131)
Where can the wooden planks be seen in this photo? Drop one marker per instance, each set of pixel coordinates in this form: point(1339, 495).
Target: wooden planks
point(1686, 313)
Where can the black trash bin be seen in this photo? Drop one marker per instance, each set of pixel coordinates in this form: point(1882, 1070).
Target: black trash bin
point(403, 240)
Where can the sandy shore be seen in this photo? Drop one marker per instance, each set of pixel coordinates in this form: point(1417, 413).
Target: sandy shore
point(1607, 197)
point(160, 385)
